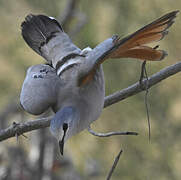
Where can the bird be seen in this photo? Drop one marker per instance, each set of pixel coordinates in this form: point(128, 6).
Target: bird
point(71, 82)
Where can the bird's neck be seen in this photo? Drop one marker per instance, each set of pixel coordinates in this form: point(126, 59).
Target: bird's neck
point(67, 62)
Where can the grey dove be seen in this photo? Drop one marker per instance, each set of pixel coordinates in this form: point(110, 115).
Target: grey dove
point(71, 82)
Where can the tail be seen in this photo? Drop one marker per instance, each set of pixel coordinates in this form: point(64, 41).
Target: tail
point(37, 30)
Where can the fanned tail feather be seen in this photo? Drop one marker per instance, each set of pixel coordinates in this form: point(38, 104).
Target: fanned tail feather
point(37, 30)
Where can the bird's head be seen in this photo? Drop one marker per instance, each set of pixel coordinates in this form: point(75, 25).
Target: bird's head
point(63, 125)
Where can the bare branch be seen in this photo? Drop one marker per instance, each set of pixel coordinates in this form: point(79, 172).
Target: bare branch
point(109, 100)
point(24, 127)
point(110, 133)
point(114, 165)
point(135, 88)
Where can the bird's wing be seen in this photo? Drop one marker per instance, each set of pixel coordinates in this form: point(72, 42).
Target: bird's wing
point(39, 90)
point(45, 36)
point(132, 46)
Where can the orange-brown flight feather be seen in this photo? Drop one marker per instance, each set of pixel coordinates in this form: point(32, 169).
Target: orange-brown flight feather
point(158, 26)
point(152, 32)
point(132, 46)
point(144, 52)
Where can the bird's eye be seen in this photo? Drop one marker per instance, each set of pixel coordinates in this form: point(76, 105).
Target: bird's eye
point(65, 126)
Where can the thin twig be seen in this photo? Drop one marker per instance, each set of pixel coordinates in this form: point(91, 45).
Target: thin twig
point(109, 100)
point(114, 165)
point(142, 76)
point(146, 104)
point(110, 133)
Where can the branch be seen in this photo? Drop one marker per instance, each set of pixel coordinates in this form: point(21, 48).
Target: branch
point(135, 88)
point(109, 100)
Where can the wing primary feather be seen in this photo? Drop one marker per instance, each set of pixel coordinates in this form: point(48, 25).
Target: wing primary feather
point(165, 21)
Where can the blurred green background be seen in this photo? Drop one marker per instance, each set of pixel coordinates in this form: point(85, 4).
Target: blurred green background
point(89, 157)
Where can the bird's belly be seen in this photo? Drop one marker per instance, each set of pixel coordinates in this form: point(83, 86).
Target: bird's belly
point(92, 100)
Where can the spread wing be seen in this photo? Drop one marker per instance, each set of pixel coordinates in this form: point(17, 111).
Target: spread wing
point(39, 90)
point(132, 46)
point(45, 36)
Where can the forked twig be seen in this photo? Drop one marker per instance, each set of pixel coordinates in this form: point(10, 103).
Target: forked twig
point(146, 105)
point(144, 74)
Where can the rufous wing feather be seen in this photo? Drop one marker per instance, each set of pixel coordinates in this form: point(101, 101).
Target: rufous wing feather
point(152, 32)
point(144, 53)
point(133, 46)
